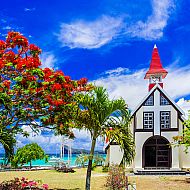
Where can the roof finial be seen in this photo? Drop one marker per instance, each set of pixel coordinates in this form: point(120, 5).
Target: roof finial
point(155, 46)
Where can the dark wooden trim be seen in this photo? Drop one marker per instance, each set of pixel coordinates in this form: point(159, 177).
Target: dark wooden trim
point(106, 149)
point(170, 101)
point(153, 119)
point(143, 102)
point(134, 130)
point(108, 146)
point(113, 143)
point(166, 98)
point(181, 118)
point(170, 129)
point(144, 130)
point(178, 116)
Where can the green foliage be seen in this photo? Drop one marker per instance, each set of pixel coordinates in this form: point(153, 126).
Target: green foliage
point(98, 159)
point(98, 115)
point(117, 178)
point(33, 96)
point(94, 165)
point(122, 135)
point(8, 141)
point(82, 160)
point(105, 168)
point(28, 153)
point(184, 139)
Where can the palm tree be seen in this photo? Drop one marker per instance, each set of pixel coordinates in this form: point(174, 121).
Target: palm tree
point(81, 160)
point(98, 113)
point(98, 159)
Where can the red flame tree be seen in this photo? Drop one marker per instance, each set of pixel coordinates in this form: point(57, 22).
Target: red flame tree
point(30, 95)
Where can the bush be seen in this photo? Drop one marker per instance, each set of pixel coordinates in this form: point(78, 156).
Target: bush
point(105, 168)
point(93, 166)
point(117, 178)
point(22, 184)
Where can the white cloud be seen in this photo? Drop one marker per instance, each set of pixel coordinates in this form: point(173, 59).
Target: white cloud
point(29, 9)
point(89, 35)
point(117, 71)
point(132, 86)
point(185, 105)
point(152, 28)
point(95, 34)
point(7, 28)
point(51, 143)
point(48, 60)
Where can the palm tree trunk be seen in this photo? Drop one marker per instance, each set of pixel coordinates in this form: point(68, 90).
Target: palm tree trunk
point(30, 164)
point(89, 169)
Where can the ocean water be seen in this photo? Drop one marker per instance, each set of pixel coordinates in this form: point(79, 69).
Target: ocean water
point(43, 163)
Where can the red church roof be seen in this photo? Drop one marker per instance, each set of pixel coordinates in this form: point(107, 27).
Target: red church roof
point(156, 65)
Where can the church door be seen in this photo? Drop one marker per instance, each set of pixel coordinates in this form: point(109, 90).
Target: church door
point(156, 153)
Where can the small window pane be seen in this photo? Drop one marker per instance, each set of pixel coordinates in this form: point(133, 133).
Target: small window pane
point(163, 100)
point(149, 101)
point(165, 120)
point(148, 120)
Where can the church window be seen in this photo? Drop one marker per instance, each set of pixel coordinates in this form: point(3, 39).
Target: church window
point(165, 119)
point(149, 101)
point(148, 118)
point(163, 100)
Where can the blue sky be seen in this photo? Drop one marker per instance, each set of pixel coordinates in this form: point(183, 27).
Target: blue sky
point(109, 42)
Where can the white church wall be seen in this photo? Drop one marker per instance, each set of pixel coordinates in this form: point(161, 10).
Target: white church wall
point(139, 118)
point(184, 158)
point(180, 127)
point(175, 150)
point(174, 118)
point(116, 154)
point(140, 139)
point(107, 157)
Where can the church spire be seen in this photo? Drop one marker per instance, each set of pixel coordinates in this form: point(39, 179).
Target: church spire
point(156, 72)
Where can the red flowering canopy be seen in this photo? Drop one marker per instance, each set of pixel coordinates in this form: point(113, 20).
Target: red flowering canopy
point(30, 95)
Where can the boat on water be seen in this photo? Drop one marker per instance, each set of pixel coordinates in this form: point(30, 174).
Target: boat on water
point(54, 159)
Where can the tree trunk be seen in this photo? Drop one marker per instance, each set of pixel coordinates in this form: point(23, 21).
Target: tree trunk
point(89, 169)
point(30, 164)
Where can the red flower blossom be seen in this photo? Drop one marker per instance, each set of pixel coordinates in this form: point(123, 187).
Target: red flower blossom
point(2, 64)
point(16, 39)
point(23, 185)
point(45, 186)
point(67, 78)
point(7, 83)
point(55, 87)
point(9, 56)
point(34, 49)
point(82, 81)
point(2, 45)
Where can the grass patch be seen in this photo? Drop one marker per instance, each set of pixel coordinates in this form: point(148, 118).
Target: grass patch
point(76, 181)
point(58, 180)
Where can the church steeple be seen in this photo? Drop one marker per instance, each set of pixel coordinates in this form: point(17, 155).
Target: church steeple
point(156, 72)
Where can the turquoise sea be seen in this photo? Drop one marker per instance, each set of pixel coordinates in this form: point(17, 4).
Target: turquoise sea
point(43, 163)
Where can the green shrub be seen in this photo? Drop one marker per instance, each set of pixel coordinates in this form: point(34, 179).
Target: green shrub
point(105, 168)
point(93, 166)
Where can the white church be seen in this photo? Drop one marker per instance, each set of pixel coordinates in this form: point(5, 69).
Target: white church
point(155, 121)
